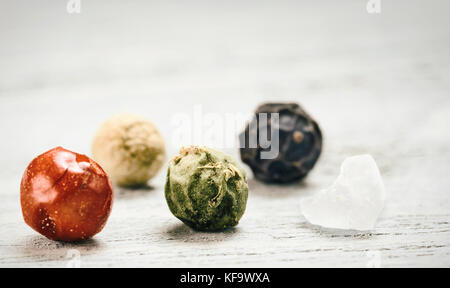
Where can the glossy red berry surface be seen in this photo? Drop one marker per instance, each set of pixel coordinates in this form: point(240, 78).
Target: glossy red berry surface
point(65, 196)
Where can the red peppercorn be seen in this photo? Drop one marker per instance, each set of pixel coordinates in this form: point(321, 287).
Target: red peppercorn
point(65, 196)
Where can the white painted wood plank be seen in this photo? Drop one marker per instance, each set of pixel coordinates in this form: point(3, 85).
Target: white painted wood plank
point(377, 84)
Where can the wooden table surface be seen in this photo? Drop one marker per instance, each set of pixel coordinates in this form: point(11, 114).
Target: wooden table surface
point(377, 84)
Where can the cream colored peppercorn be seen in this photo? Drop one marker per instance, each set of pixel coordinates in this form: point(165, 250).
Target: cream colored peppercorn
point(130, 149)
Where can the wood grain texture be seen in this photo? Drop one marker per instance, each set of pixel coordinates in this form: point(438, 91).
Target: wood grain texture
point(377, 84)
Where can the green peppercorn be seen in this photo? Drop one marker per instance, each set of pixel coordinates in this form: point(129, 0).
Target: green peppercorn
point(206, 189)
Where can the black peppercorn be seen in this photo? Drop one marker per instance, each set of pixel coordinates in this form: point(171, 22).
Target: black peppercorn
point(282, 143)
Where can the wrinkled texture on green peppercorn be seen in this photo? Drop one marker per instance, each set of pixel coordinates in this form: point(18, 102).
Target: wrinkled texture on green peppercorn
point(206, 189)
point(300, 144)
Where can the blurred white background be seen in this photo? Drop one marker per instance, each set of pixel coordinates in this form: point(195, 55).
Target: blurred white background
point(157, 58)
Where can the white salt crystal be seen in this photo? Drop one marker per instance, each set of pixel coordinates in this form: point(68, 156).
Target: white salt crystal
point(353, 202)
